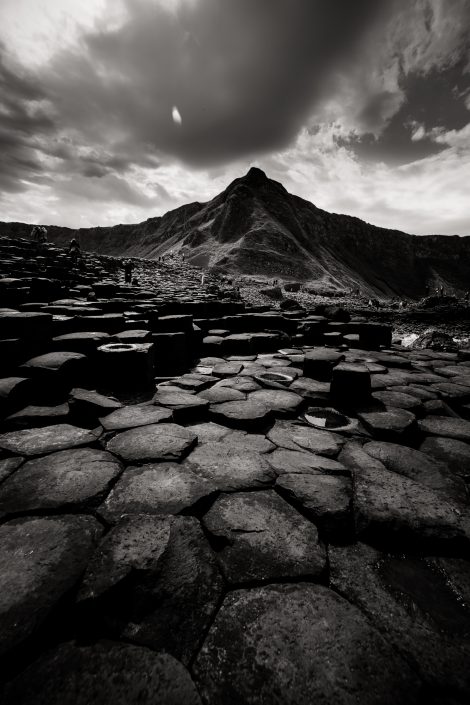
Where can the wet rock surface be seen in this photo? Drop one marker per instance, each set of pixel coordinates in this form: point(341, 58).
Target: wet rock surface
point(298, 644)
point(234, 504)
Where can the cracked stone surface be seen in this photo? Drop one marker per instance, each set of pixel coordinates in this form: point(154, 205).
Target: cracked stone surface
point(134, 416)
point(196, 539)
point(228, 468)
point(325, 499)
point(299, 437)
point(165, 442)
point(266, 539)
point(299, 644)
point(64, 479)
point(102, 673)
point(38, 441)
point(40, 560)
point(154, 580)
point(291, 461)
point(163, 488)
point(416, 603)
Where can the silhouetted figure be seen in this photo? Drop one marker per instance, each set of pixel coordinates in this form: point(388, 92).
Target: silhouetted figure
point(74, 251)
point(42, 237)
point(35, 233)
point(128, 267)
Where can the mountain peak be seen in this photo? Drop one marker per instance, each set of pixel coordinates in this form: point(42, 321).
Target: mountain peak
point(255, 174)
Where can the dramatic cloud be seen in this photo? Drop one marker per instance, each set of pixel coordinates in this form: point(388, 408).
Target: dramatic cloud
point(121, 109)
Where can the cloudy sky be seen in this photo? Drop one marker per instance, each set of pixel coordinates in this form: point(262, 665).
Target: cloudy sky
point(119, 110)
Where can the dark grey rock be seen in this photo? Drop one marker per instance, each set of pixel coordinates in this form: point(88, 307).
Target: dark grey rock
point(107, 672)
point(164, 488)
point(76, 477)
point(40, 560)
point(38, 441)
point(164, 442)
point(266, 539)
point(296, 645)
point(325, 499)
point(229, 468)
point(135, 416)
point(154, 580)
point(416, 604)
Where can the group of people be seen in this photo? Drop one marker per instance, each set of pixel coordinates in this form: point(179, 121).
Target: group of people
point(39, 234)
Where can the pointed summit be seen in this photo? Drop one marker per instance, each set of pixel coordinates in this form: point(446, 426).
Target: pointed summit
point(255, 175)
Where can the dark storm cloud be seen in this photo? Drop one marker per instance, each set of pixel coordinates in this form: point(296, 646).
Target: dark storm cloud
point(244, 75)
point(23, 117)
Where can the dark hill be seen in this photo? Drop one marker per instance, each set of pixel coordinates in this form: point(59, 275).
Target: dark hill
point(256, 227)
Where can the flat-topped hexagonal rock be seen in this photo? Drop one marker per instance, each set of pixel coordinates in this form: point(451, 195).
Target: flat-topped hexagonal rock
point(455, 454)
point(393, 510)
point(293, 436)
point(247, 414)
point(445, 426)
point(165, 441)
point(295, 644)
point(185, 406)
point(68, 478)
point(326, 499)
point(163, 488)
point(240, 384)
point(40, 560)
point(135, 416)
point(419, 467)
point(416, 604)
point(230, 468)
point(8, 466)
point(154, 580)
point(398, 400)
point(281, 403)
point(39, 441)
point(36, 416)
point(208, 431)
point(103, 673)
point(219, 395)
point(266, 539)
point(88, 403)
point(390, 424)
point(292, 461)
point(319, 363)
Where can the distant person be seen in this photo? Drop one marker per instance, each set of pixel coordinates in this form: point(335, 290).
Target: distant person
point(42, 237)
point(35, 233)
point(74, 251)
point(128, 267)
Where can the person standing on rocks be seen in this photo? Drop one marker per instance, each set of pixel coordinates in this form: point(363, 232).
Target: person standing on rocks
point(128, 267)
point(74, 251)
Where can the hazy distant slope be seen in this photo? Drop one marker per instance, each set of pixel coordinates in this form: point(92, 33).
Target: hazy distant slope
point(256, 227)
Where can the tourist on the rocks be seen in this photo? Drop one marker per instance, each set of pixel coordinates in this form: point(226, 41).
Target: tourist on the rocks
point(74, 251)
point(128, 267)
point(42, 237)
point(35, 233)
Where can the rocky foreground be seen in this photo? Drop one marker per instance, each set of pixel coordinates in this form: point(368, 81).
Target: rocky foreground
point(207, 502)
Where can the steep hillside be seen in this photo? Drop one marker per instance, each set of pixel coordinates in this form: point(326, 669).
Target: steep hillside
point(256, 227)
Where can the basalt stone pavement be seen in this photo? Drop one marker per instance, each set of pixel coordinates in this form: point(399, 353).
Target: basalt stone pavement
point(227, 535)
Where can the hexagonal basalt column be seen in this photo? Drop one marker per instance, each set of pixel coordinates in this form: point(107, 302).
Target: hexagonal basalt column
point(350, 385)
point(125, 367)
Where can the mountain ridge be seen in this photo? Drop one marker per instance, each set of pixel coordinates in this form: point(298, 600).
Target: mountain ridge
point(255, 227)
